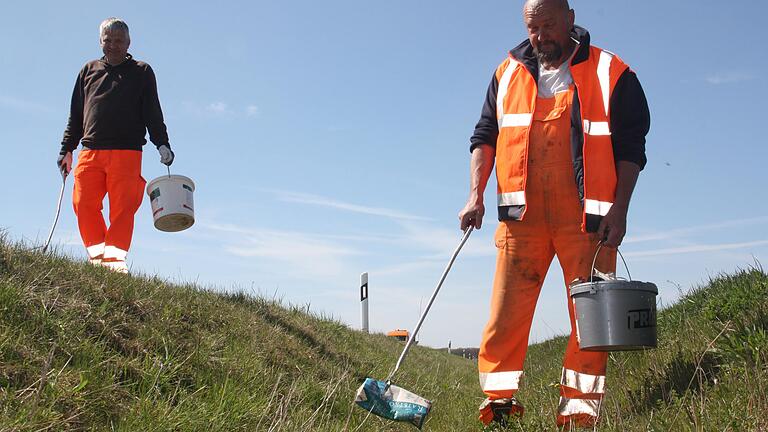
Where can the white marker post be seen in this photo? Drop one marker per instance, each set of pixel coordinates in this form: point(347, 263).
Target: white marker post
point(364, 302)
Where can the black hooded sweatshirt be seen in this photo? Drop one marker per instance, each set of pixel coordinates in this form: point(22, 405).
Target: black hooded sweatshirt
point(113, 107)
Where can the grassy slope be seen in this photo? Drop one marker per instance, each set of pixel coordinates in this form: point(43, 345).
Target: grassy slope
point(82, 348)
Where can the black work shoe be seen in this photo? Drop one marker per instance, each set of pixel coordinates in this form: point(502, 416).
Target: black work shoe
point(499, 410)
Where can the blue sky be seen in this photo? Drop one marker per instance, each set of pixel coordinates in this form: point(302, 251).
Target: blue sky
point(331, 138)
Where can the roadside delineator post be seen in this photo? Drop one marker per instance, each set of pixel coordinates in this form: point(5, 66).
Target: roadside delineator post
point(364, 302)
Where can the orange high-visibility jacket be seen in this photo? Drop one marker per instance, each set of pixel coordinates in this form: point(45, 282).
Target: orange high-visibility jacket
point(596, 73)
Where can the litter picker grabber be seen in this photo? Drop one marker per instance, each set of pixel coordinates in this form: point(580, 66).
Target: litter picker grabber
point(390, 401)
point(58, 211)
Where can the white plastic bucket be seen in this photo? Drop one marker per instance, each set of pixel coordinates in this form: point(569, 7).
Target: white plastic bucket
point(172, 200)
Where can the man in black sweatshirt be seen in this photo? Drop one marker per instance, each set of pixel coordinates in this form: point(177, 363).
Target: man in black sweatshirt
point(114, 103)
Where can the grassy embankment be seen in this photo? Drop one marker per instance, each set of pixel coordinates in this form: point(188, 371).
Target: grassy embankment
point(82, 348)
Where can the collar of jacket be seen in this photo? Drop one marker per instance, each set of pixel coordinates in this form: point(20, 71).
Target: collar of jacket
point(524, 52)
point(128, 60)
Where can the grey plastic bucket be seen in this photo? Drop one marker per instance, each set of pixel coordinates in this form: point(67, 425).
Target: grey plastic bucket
point(615, 315)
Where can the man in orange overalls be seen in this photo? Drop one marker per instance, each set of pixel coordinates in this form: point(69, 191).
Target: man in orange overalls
point(565, 123)
point(114, 103)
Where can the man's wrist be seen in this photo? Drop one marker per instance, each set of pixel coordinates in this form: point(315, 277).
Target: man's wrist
point(475, 197)
point(622, 206)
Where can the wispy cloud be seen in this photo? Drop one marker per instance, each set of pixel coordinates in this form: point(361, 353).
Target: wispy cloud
point(221, 109)
point(405, 267)
point(23, 105)
point(439, 241)
point(679, 232)
point(419, 246)
point(317, 200)
point(300, 253)
point(238, 229)
point(697, 249)
point(252, 111)
point(729, 77)
point(217, 107)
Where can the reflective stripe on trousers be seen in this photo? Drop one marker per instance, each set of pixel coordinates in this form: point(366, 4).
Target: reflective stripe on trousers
point(500, 381)
point(552, 226)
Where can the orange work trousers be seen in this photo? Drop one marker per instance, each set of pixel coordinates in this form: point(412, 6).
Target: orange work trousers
point(552, 225)
point(113, 173)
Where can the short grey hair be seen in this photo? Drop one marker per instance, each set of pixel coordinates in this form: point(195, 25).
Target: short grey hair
point(562, 4)
point(111, 24)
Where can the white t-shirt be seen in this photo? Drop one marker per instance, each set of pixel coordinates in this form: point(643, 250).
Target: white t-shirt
point(553, 81)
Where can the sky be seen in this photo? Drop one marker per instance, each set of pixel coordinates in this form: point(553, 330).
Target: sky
point(327, 139)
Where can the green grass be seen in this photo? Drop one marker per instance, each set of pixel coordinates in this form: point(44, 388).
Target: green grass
point(82, 348)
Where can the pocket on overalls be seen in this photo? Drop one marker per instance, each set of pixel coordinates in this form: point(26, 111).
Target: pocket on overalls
point(548, 115)
point(85, 159)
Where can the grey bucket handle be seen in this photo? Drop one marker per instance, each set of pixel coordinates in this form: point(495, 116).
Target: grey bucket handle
point(594, 260)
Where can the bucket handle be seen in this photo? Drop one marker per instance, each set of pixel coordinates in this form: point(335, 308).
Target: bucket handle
point(594, 260)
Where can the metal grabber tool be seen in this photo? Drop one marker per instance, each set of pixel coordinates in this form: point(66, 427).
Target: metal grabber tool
point(58, 211)
point(390, 401)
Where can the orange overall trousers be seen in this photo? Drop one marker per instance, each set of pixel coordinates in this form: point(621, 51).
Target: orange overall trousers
point(116, 173)
point(551, 226)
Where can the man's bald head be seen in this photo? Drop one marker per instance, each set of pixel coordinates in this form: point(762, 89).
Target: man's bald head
point(558, 4)
point(549, 24)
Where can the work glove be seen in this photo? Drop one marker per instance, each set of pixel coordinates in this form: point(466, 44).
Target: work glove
point(64, 162)
point(166, 155)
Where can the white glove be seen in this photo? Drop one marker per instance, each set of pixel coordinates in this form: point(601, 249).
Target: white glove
point(166, 155)
point(64, 162)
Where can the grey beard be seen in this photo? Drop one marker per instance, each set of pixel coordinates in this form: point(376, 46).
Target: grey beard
point(551, 56)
